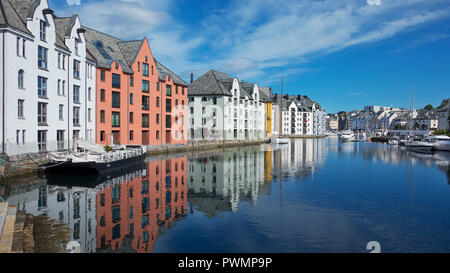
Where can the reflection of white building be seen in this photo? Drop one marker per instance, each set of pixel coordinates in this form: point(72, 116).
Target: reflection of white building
point(75, 207)
point(300, 155)
point(235, 175)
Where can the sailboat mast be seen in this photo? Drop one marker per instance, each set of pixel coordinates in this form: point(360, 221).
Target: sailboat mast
point(281, 106)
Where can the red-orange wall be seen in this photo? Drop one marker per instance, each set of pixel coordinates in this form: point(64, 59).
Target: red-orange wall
point(144, 56)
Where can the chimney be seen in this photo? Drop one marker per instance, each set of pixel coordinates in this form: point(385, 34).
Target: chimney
point(192, 77)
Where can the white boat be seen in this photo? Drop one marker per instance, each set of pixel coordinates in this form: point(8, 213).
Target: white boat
point(393, 142)
point(347, 137)
point(420, 146)
point(440, 143)
point(282, 140)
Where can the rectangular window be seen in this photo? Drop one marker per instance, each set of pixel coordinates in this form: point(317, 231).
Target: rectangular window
point(42, 114)
point(102, 135)
point(76, 69)
point(115, 80)
point(157, 134)
point(61, 112)
point(168, 121)
point(76, 116)
point(157, 86)
point(60, 139)
point(20, 109)
point(145, 69)
point(23, 137)
point(76, 94)
point(42, 141)
point(89, 115)
point(77, 41)
point(145, 103)
point(131, 98)
point(157, 101)
point(131, 81)
point(145, 86)
point(115, 99)
point(59, 60)
point(131, 117)
point(23, 48)
point(17, 137)
point(102, 75)
point(168, 90)
point(43, 30)
point(131, 135)
point(168, 105)
point(18, 46)
point(102, 95)
point(102, 116)
point(42, 57)
point(42, 87)
point(157, 118)
point(145, 120)
point(115, 119)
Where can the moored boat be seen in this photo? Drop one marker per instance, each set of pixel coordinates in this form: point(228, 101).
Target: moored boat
point(92, 158)
point(420, 146)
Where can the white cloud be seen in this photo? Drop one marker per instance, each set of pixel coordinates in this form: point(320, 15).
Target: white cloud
point(73, 2)
point(374, 2)
point(259, 38)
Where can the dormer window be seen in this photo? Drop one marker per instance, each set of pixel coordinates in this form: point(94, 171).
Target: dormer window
point(43, 30)
point(77, 41)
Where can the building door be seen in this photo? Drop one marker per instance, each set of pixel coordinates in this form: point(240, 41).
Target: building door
point(116, 137)
point(168, 137)
point(145, 138)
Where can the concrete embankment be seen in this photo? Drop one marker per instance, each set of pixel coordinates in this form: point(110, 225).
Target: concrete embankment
point(28, 164)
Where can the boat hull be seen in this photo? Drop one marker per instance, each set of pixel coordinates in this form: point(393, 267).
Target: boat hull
point(94, 167)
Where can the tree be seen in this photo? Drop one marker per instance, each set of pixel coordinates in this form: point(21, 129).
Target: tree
point(429, 107)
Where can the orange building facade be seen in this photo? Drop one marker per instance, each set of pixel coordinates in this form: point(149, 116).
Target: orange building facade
point(142, 205)
point(139, 101)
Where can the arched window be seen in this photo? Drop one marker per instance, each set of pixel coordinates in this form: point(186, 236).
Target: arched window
point(20, 78)
point(90, 94)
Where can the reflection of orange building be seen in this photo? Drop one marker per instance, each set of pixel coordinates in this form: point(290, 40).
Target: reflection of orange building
point(137, 206)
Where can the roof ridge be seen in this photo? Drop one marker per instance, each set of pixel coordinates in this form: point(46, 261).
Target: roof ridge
point(169, 70)
point(103, 33)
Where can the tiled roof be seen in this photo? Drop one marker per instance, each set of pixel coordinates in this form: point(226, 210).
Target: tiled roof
point(130, 49)
point(210, 84)
point(63, 27)
point(11, 12)
point(163, 71)
point(105, 49)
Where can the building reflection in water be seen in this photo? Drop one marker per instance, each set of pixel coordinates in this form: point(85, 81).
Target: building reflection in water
point(218, 181)
point(123, 213)
point(127, 212)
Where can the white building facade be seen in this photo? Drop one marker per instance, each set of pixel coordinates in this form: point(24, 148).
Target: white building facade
point(47, 79)
point(221, 108)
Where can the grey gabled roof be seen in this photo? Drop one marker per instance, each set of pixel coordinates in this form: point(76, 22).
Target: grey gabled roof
point(10, 14)
point(63, 27)
point(130, 49)
point(210, 83)
point(163, 71)
point(105, 49)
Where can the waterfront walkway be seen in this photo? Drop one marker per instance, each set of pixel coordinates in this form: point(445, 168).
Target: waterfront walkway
point(16, 233)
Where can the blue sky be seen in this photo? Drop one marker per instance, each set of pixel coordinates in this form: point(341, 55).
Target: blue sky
point(344, 54)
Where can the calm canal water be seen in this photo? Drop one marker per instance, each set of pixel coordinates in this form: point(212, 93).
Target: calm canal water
point(308, 196)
